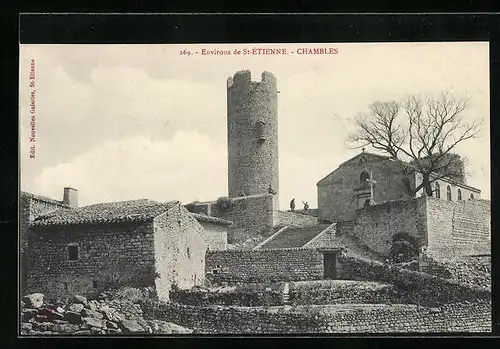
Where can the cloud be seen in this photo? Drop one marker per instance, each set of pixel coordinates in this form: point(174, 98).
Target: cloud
point(186, 168)
point(94, 100)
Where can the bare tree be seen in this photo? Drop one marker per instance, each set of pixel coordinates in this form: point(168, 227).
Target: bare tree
point(420, 133)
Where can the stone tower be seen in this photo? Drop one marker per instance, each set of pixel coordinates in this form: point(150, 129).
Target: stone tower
point(252, 134)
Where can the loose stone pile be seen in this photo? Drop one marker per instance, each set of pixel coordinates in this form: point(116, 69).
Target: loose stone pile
point(80, 316)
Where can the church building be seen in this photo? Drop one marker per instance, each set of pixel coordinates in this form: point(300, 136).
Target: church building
point(368, 179)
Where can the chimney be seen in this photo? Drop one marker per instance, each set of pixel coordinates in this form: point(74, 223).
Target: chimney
point(70, 197)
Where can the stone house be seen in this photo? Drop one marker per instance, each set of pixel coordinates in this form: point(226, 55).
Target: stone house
point(137, 242)
point(371, 178)
point(32, 206)
point(216, 229)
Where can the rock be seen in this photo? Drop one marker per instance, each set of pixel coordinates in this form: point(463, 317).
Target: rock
point(91, 313)
point(76, 307)
point(144, 325)
point(132, 326)
point(43, 326)
point(93, 305)
point(26, 326)
point(34, 300)
point(65, 328)
point(164, 327)
point(112, 314)
point(72, 317)
point(102, 297)
point(41, 318)
point(95, 330)
point(111, 324)
point(51, 314)
point(113, 331)
point(60, 310)
point(79, 300)
point(27, 314)
point(90, 322)
point(82, 332)
point(60, 322)
point(23, 304)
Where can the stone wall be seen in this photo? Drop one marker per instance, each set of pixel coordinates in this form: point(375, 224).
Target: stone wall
point(216, 235)
point(346, 228)
point(31, 206)
point(458, 228)
point(246, 295)
point(415, 287)
point(251, 216)
point(326, 239)
point(460, 317)
point(180, 244)
point(264, 265)
point(108, 254)
point(377, 224)
point(295, 219)
point(342, 292)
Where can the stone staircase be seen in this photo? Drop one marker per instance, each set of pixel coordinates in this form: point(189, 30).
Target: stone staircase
point(294, 237)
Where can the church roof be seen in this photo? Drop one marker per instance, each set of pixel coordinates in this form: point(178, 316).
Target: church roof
point(111, 212)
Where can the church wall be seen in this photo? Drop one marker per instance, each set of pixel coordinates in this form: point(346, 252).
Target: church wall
point(336, 196)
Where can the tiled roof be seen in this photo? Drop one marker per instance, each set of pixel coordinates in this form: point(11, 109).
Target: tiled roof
point(112, 212)
point(210, 219)
point(43, 198)
point(294, 237)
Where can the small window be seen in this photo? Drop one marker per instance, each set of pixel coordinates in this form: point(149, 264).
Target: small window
point(188, 252)
point(459, 195)
point(472, 196)
point(448, 193)
point(260, 130)
point(73, 254)
point(364, 177)
point(437, 190)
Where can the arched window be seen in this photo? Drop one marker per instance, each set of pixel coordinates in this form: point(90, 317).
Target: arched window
point(459, 195)
point(364, 177)
point(437, 189)
point(472, 196)
point(448, 193)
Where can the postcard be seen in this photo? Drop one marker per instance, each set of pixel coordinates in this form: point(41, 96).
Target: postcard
point(254, 189)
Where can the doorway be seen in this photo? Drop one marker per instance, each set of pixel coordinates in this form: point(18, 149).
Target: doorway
point(330, 265)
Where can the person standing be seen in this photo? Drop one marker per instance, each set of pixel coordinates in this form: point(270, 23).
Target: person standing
point(292, 205)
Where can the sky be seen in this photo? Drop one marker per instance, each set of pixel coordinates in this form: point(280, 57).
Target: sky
point(122, 122)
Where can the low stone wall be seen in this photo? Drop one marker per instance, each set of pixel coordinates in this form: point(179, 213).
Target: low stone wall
point(342, 292)
point(467, 270)
point(263, 265)
point(460, 317)
point(415, 287)
point(248, 295)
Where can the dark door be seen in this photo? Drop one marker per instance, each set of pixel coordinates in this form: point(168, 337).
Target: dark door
point(330, 264)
